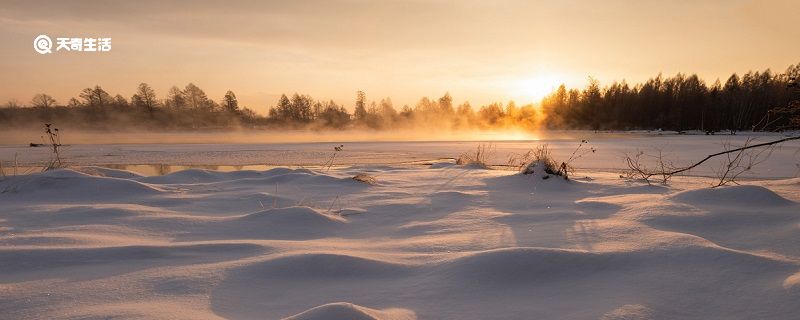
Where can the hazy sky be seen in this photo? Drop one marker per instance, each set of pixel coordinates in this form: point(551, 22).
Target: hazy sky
point(481, 51)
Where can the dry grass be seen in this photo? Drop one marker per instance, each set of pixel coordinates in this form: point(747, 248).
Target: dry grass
point(365, 178)
point(540, 158)
point(480, 157)
point(526, 162)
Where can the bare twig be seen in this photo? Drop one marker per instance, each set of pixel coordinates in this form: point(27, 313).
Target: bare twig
point(740, 162)
point(638, 170)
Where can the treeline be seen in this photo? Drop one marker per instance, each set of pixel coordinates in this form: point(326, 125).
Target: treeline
point(95, 108)
point(441, 113)
point(755, 101)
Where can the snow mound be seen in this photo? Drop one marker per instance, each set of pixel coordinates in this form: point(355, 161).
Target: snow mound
point(792, 282)
point(89, 214)
point(524, 265)
point(70, 185)
point(452, 196)
point(629, 312)
point(19, 260)
point(108, 172)
point(745, 195)
point(292, 216)
point(538, 169)
point(475, 166)
point(250, 178)
point(206, 176)
point(441, 165)
point(349, 311)
point(284, 223)
point(511, 265)
point(478, 245)
point(325, 266)
point(302, 177)
point(520, 185)
point(597, 206)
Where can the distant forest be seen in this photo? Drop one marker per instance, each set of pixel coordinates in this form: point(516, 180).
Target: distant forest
point(763, 101)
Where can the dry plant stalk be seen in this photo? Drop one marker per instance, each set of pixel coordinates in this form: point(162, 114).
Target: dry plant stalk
point(55, 144)
point(329, 163)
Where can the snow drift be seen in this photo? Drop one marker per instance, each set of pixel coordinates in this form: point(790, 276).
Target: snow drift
point(439, 242)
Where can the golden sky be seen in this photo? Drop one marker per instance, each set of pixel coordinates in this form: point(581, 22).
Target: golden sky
point(481, 51)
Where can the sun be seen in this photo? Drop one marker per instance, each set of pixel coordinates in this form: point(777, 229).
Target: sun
point(536, 87)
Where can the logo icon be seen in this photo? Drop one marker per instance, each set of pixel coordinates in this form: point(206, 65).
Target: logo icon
point(42, 44)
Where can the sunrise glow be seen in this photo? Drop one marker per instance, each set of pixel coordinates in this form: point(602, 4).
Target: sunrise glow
point(534, 88)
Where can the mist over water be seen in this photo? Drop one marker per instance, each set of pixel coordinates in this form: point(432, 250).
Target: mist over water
point(26, 136)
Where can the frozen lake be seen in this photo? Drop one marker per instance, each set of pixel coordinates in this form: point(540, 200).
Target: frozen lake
point(243, 231)
point(160, 158)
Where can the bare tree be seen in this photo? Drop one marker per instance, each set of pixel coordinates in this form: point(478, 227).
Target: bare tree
point(12, 104)
point(360, 112)
point(95, 97)
point(145, 97)
point(176, 98)
point(120, 102)
point(195, 97)
point(42, 100)
point(74, 103)
point(229, 102)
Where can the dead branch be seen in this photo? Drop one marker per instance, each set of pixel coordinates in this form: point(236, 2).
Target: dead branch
point(733, 167)
point(745, 147)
